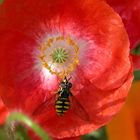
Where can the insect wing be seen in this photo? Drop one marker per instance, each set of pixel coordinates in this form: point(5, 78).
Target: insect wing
point(78, 109)
point(46, 105)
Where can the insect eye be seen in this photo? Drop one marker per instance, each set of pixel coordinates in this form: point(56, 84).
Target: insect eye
point(69, 85)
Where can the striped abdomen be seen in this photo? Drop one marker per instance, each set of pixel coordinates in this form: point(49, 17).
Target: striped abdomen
point(62, 105)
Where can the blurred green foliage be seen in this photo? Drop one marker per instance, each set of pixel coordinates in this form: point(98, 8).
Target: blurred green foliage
point(21, 133)
point(1, 1)
point(100, 134)
point(137, 75)
point(3, 135)
point(136, 51)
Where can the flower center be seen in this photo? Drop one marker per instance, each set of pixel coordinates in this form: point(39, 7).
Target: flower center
point(59, 54)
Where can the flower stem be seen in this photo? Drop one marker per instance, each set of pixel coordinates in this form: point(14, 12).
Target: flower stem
point(18, 116)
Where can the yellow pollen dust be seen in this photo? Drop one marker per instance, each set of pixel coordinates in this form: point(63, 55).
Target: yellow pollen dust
point(64, 68)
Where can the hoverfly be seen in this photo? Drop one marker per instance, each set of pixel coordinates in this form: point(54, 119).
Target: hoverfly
point(63, 102)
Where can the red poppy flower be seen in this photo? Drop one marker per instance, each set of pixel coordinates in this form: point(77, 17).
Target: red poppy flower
point(129, 10)
point(43, 41)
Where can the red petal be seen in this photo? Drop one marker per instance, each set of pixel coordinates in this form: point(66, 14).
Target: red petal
point(129, 10)
point(3, 112)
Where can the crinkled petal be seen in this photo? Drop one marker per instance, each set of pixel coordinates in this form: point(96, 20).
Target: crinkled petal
point(129, 10)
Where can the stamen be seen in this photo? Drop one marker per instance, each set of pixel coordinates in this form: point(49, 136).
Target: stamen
point(59, 55)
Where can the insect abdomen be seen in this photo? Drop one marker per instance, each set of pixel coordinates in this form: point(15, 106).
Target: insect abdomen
point(62, 105)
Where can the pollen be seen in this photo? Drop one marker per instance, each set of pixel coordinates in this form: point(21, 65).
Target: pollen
point(59, 54)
